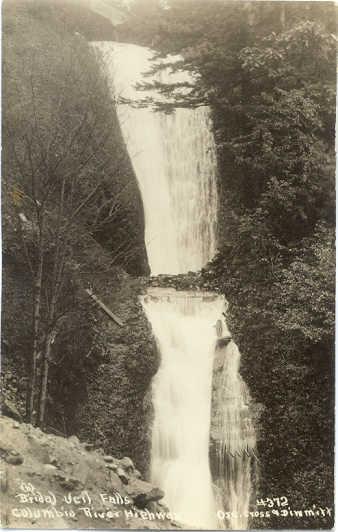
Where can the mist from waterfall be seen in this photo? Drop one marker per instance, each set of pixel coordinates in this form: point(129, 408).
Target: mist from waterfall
point(174, 159)
point(203, 440)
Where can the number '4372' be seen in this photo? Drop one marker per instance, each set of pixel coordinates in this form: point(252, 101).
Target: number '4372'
point(273, 501)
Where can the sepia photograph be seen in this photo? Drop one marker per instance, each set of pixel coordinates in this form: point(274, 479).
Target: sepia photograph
point(168, 264)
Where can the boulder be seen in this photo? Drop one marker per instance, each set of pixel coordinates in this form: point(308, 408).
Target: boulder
point(14, 458)
point(142, 492)
point(71, 484)
point(127, 464)
point(108, 458)
point(54, 461)
point(74, 440)
point(50, 469)
point(123, 475)
point(112, 467)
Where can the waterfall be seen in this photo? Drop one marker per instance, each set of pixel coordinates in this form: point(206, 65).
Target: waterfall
point(174, 160)
point(232, 435)
point(200, 401)
point(183, 325)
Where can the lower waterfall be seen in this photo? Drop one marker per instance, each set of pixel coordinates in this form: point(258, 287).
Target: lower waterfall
point(199, 398)
point(183, 326)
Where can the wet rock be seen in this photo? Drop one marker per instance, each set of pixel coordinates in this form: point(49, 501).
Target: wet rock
point(89, 446)
point(14, 458)
point(143, 493)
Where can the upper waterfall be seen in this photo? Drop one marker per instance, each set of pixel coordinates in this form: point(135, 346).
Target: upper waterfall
point(175, 164)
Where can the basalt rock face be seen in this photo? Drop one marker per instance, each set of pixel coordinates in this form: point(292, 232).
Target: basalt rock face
point(54, 482)
point(115, 409)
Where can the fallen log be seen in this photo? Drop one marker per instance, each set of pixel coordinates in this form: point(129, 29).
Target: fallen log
point(105, 308)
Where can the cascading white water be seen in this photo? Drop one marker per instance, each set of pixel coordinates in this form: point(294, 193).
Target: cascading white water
point(174, 160)
point(198, 394)
point(232, 436)
point(183, 325)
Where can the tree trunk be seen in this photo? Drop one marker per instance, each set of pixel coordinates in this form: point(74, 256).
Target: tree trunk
point(30, 407)
point(44, 378)
point(282, 16)
point(51, 331)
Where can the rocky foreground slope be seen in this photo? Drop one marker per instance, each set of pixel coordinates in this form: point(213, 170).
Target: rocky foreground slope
point(52, 482)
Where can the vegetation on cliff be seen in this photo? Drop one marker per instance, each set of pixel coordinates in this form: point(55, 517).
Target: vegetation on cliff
point(72, 219)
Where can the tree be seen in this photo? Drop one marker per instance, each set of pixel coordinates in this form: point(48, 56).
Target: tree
point(61, 184)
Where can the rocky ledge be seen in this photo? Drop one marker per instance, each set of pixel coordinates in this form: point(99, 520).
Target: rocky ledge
point(184, 281)
point(52, 482)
